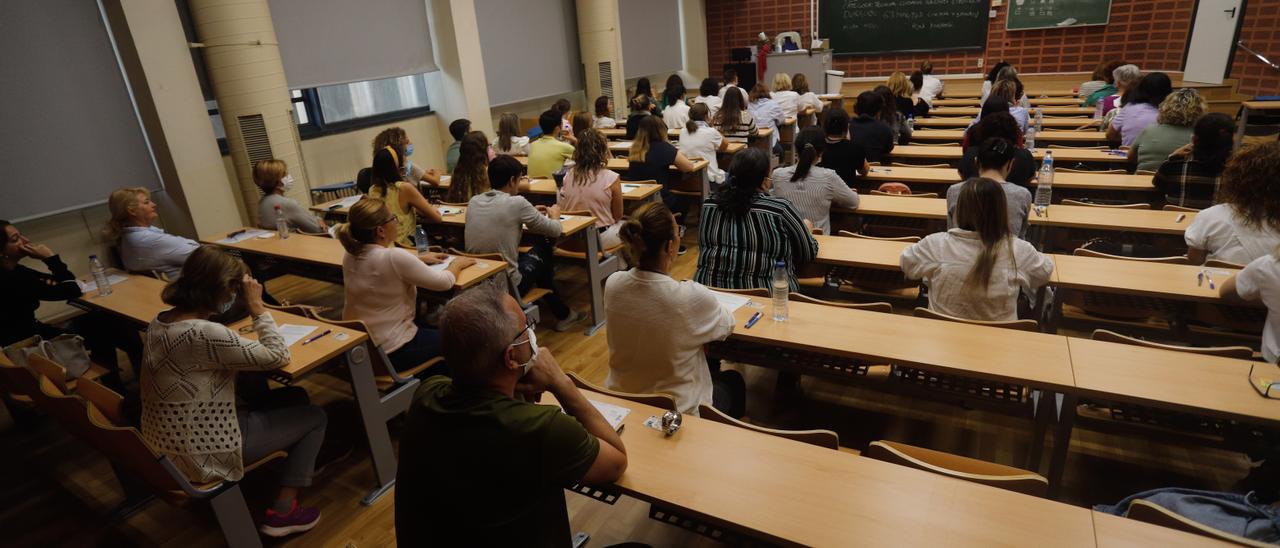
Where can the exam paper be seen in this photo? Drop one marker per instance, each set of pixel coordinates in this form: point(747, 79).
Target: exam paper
point(612, 413)
point(730, 301)
point(442, 265)
point(294, 333)
point(246, 235)
point(349, 201)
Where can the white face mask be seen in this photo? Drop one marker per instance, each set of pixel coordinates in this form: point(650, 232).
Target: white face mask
point(226, 306)
point(286, 182)
point(533, 345)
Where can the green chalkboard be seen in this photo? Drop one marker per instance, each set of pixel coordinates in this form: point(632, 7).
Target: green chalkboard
point(888, 26)
point(1048, 14)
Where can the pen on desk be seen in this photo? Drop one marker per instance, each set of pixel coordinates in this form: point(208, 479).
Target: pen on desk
point(620, 427)
point(236, 233)
point(754, 318)
point(1209, 277)
point(1200, 278)
point(1180, 217)
point(313, 339)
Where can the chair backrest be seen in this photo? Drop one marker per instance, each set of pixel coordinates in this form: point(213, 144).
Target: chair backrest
point(108, 401)
point(912, 195)
point(1149, 512)
point(1177, 259)
point(1100, 171)
point(1144, 172)
point(67, 409)
point(1078, 147)
point(123, 445)
point(847, 234)
point(378, 358)
point(754, 292)
point(900, 164)
point(49, 369)
point(18, 380)
point(874, 307)
point(1171, 207)
point(820, 438)
point(1110, 206)
point(661, 401)
point(1019, 325)
point(1216, 263)
point(956, 466)
point(1239, 352)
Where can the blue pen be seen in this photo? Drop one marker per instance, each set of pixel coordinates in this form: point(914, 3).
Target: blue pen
point(754, 318)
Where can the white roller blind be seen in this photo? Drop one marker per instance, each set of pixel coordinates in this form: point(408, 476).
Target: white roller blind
point(530, 48)
point(69, 132)
point(650, 37)
point(326, 42)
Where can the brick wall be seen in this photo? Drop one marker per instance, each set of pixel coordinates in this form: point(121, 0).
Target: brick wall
point(1260, 31)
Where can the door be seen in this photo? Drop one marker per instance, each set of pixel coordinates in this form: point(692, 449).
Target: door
point(1212, 37)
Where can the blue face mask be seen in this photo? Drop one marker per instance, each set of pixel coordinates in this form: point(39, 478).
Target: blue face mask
point(408, 149)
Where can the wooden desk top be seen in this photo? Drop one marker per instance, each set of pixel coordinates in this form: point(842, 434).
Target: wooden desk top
point(328, 253)
point(898, 206)
point(1060, 122)
point(1172, 281)
point(630, 191)
point(1204, 385)
point(976, 93)
point(955, 153)
point(571, 225)
point(860, 252)
point(1048, 135)
point(1261, 105)
point(621, 164)
point(822, 497)
point(1096, 218)
point(624, 147)
point(621, 133)
point(1035, 102)
point(1117, 532)
point(1047, 110)
point(947, 176)
point(935, 345)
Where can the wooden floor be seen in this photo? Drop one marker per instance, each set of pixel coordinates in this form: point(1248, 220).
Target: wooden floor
point(57, 492)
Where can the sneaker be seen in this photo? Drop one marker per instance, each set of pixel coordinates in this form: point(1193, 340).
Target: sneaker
point(682, 250)
point(567, 323)
point(298, 520)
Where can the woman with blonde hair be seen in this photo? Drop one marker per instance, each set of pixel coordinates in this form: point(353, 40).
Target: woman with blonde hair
point(591, 186)
point(397, 139)
point(403, 199)
point(469, 176)
point(900, 86)
point(1175, 117)
point(651, 158)
point(273, 179)
point(510, 141)
point(381, 281)
point(143, 246)
point(786, 97)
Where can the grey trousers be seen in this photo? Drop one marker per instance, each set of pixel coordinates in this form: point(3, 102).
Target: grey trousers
point(284, 420)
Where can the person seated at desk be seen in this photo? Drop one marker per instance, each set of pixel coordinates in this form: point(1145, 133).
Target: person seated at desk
point(977, 269)
point(403, 199)
point(1260, 281)
point(397, 139)
point(381, 281)
point(659, 326)
point(745, 232)
point(1003, 94)
point(143, 246)
point(1125, 78)
point(997, 124)
point(674, 112)
point(640, 107)
point(1246, 225)
point(708, 94)
point(730, 80)
point(734, 120)
point(1191, 176)
point(498, 218)
point(1141, 109)
point(469, 176)
point(604, 113)
point(643, 87)
point(591, 186)
point(273, 179)
point(510, 140)
point(481, 464)
point(457, 129)
point(812, 189)
point(892, 117)
point(565, 109)
point(931, 87)
point(867, 131)
point(25, 287)
point(698, 140)
point(1173, 129)
point(920, 106)
point(580, 123)
point(786, 98)
point(904, 96)
point(651, 158)
point(547, 152)
point(767, 115)
point(190, 409)
point(673, 93)
point(1099, 80)
point(846, 158)
point(808, 105)
point(994, 160)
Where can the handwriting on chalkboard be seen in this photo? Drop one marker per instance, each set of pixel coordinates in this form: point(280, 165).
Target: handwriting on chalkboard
point(858, 26)
point(907, 14)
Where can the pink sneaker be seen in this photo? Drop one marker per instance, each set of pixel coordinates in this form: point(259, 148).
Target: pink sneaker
point(298, 520)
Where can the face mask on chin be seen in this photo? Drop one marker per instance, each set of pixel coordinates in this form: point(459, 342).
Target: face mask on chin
point(287, 182)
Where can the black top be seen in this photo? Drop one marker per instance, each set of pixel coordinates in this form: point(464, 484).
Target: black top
point(873, 136)
point(24, 288)
point(904, 106)
point(845, 158)
point(633, 124)
point(1024, 166)
point(656, 165)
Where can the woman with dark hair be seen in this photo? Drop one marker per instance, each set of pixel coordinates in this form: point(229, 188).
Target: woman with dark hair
point(873, 135)
point(641, 107)
point(511, 141)
point(1192, 174)
point(672, 92)
point(922, 105)
point(744, 231)
point(976, 269)
point(580, 123)
point(993, 160)
point(699, 140)
point(1246, 224)
point(847, 159)
point(892, 117)
point(675, 112)
point(992, 76)
point(1001, 125)
point(604, 113)
point(1108, 87)
point(591, 186)
point(733, 119)
point(643, 87)
point(1097, 80)
point(469, 176)
point(1141, 108)
point(403, 199)
point(808, 105)
point(708, 93)
point(564, 108)
point(812, 189)
point(767, 114)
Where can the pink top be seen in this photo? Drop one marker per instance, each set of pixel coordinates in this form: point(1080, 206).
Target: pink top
point(593, 195)
point(380, 287)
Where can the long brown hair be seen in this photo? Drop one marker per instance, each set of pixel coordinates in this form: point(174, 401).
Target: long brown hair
point(697, 113)
point(121, 204)
point(644, 233)
point(729, 117)
point(651, 129)
point(508, 129)
point(580, 122)
point(589, 156)
point(209, 278)
point(469, 176)
point(981, 207)
point(365, 216)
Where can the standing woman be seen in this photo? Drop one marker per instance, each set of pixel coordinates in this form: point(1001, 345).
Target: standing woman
point(403, 199)
point(976, 270)
point(699, 140)
point(143, 246)
point(510, 139)
point(733, 119)
point(591, 186)
point(812, 189)
point(469, 176)
point(273, 179)
point(745, 231)
point(190, 412)
point(381, 281)
point(651, 158)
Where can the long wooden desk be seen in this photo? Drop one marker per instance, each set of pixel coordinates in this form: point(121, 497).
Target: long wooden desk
point(631, 192)
point(623, 147)
point(1035, 102)
point(953, 153)
point(976, 93)
point(674, 133)
point(1249, 108)
point(621, 164)
point(1047, 110)
point(1058, 122)
point(1046, 136)
point(1067, 216)
point(1061, 180)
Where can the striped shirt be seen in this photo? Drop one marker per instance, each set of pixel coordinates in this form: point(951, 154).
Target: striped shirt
point(814, 195)
point(738, 252)
point(738, 133)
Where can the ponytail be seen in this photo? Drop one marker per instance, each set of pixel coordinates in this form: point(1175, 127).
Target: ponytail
point(348, 240)
point(697, 113)
point(810, 142)
point(981, 207)
point(364, 218)
point(645, 232)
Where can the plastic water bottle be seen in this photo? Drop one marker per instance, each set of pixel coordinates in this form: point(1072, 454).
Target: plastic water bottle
point(100, 276)
point(1030, 138)
point(1044, 183)
point(1039, 120)
point(420, 240)
point(780, 291)
point(282, 224)
point(911, 122)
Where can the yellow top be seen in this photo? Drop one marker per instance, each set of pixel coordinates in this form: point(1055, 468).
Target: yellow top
point(408, 221)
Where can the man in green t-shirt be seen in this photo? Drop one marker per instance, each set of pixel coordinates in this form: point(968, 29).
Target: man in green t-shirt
point(480, 465)
point(548, 153)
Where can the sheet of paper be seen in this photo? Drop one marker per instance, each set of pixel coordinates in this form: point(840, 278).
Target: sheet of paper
point(444, 179)
point(294, 333)
point(349, 201)
point(730, 301)
point(246, 235)
point(113, 277)
point(443, 265)
point(446, 210)
point(628, 188)
point(612, 413)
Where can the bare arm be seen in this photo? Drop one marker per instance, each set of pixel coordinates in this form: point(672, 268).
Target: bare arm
point(615, 199)
point(410, 197)
point(683, 163)
point(546, 374)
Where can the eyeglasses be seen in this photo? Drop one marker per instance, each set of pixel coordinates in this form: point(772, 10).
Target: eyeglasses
point(389, 219)
point(528, 324)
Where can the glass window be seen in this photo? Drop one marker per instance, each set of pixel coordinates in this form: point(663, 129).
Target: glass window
point(363, 99)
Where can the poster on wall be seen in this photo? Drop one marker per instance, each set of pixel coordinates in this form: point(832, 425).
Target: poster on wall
point(1052, 14)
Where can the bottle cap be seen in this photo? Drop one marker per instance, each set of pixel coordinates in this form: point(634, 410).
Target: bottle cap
point(92, 257)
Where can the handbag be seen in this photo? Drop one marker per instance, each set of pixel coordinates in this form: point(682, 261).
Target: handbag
point(66, 350)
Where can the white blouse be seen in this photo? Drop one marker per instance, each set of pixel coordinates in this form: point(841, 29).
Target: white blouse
point(943, 260)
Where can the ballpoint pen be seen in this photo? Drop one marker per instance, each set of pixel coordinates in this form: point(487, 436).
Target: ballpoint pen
point(754, 318)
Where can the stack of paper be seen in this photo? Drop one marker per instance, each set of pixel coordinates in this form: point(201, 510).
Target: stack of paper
point(613, 413)
point(443, 265)
point(446, 210)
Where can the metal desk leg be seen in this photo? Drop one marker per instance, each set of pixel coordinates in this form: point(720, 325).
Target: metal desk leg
point(374, 418)
point(1061, 442)
point(597, 271)
point(1040, 425)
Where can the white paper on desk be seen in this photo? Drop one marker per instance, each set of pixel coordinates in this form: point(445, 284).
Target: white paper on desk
point(443, 265)
point(629, 188)
point(445, 210)
point(730, 301)
point(246, 235)
point(112, 277)
point(615, 414)
point(294, 333)
point(349, 201)
point(444, 179)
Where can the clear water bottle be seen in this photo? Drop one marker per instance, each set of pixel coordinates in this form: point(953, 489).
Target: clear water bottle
point(1029, 137)
point(1044, 183)
point(1039, 120)
point(100, 276)
point(911, 122)
point(780, 290)
point(420, 240)
point(282, 224)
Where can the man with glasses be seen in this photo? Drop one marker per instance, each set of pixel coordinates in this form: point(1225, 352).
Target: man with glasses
point(480, 463)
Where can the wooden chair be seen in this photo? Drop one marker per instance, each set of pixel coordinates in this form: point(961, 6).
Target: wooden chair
point(56, 373)
point(661, 401)
point(874, 282)
point(1017, 325)
point(956, 466)
point(1171, 207)
point(574, 248)
point(1095, 171)
point(1121, 310)
point(847, 234)
point(384, 374)
point(1109, 206)
point(900, 164)
point(911, 195)
point(1177, 259)
point(1150, 512)
point(109, 402)
point(1238, 352)
point(818, 437)
point(1215, 263)
point(1077, 147)
point(529, 298)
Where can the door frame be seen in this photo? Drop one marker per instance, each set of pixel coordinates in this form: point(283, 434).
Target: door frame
point(1235, 37)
